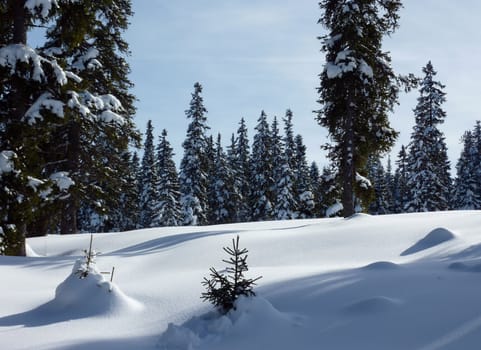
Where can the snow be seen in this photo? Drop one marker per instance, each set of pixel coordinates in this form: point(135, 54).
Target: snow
point(6, 163)
point(363, 182)
point(11, 55)
point(327, 283)
point(45, 101)
point(62, 180)
point(43, 5)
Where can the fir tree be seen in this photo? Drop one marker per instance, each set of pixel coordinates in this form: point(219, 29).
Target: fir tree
point(330, 192)
point(224, 289)
point(234, 174)
point(101, 143)
point(261, 176)
point(194, 164)
point(377, 176)
point(168, 212)
point(358, 87)
point(315, 179)
point(467, 185)
point(33, 97)
point(148, 182)
point(304, 196)
point(243, 172)
point(223, 188)
point(429, 181)
point(401, 190)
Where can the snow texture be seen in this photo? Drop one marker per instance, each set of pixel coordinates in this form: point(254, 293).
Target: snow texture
point(327, 283)
point(44, 102)
point(43, 5)
point(434, 238)
point(62, 180)
point(6, 163)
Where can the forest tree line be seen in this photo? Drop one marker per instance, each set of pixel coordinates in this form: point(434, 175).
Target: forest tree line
point(67, 134)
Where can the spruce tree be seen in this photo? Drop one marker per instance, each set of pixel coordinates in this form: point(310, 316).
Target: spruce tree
point(467, 185)
point(234, 175)
point(358, 87)
point(262, 170)
point(330, 191)
point(222, 188)
point(194, 164)
point(377, 175)
point(284, 207)
point(33, 96)
point(429, 180)
point(243, 172)
point(101, 143)
point(304, 193)
point(315, 178)
point(168, 211)
point(401, 190)
point(148, 182)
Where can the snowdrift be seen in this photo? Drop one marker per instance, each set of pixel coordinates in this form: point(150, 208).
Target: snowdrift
point(396, 282)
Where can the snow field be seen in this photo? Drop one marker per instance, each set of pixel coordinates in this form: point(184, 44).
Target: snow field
point(329, 283)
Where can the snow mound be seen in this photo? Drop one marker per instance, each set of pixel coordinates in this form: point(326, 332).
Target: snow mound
point(372, 305)
point(433, 238)
point(381, 266)
point(91, 296)
point(251, 317)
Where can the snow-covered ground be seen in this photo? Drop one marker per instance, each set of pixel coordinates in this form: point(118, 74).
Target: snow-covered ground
point(407, 282)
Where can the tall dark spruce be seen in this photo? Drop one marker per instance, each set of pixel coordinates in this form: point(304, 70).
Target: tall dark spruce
point(87, 38)
point(168, 211)
point(262, 181)
point(195, 163)
point(358, 86)
point(148, 181)
point(428, 167)
point(45, 100)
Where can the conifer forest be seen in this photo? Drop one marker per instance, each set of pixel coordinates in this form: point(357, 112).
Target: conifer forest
point(73, 159)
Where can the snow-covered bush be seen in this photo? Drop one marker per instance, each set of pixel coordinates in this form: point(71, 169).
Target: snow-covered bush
point(85, 266)
point(224, 289)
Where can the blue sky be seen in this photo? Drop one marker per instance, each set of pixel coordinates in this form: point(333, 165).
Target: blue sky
point(264, 55)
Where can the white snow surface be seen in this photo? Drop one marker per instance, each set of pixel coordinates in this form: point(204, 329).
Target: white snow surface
point(332, 284)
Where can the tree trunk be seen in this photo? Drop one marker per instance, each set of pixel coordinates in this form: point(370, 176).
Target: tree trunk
point(68, 224)
point(19, 98)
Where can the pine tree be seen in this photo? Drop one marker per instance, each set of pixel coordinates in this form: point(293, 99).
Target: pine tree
point(261, 176)
point(377, 176)
point(330, 192)
point(148, 182)
point(223, 289)
point(101, 143)
point(234, 174)
point(285, 202)
point(277, 160)
point(358, 87)
point(401, 190)
point(315, 179)
point(129, 204)
point(223, 188)
point(33, 95)
point(168, 211)
point(304, 192)
point(467, 185)
point(391, 189)
point(194, 166)
point(243, 172)
point(429, 181)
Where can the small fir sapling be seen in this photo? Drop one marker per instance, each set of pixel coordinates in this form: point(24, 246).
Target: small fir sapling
point(89, 257)
point(223, 289)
